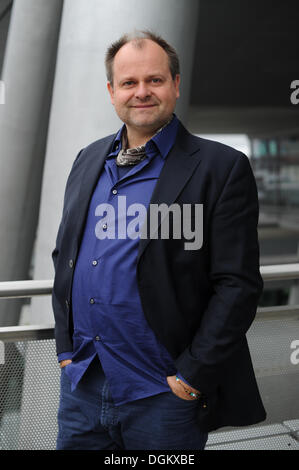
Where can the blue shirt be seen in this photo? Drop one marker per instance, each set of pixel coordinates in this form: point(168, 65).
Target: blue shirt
point(107, 313)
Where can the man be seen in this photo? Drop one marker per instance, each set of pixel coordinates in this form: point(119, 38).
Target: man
point(150, 331)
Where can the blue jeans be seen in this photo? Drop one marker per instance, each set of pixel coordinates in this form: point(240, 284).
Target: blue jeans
point(88, 419)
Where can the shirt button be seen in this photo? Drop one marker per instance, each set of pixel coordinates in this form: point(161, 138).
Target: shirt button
point(97, 338)
point(91, 301)
point(114, 191)
point(104, 226)
point(94, 263)
point(71, 263)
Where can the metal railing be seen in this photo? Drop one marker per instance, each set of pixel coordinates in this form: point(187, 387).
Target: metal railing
point(17, 289)
point(13, 289)
point(29, 389)
point(23, 289)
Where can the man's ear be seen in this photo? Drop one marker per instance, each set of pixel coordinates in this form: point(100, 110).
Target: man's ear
point(177, 81)
point(111, 91)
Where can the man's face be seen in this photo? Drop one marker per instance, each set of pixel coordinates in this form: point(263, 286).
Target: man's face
point(143, 93)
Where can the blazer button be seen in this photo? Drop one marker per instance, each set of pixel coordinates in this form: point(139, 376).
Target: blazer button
point(67, 304)
point(71, 263)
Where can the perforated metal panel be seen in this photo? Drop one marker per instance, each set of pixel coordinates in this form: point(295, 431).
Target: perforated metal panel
point(29, 390)
point(284, 442)
point(29, 394)
point(270, 340)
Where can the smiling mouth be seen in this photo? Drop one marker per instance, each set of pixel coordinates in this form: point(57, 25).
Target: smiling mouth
point(144, 106)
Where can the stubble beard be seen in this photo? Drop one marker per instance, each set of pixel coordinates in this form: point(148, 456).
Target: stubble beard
point(149, 125)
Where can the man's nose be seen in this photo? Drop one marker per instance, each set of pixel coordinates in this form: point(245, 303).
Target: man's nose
point(142, 91)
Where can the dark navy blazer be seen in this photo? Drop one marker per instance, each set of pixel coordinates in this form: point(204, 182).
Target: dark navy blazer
point(199, 303)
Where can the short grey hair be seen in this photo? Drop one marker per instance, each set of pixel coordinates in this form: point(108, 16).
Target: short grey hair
point(137, 38)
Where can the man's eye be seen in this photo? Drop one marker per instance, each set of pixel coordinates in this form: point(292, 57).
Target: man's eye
point(128, 83)
point(156, 80)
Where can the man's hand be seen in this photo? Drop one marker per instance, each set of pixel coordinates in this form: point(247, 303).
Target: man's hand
point(64, 363)
point(178, 388)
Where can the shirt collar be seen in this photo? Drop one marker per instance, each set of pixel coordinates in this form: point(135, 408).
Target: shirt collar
point(164, 140)
point(117, 141)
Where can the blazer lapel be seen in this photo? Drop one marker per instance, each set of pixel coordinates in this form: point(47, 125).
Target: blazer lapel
point(93, 167)
point(177, 170)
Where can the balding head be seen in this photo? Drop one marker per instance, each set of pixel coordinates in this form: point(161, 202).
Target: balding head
point(137, 39)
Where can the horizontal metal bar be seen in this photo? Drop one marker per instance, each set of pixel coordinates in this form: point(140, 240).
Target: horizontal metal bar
point(26, 333)
point(279, 259)
point(286, 310)
point(280, 271)
point(17, 289)
point(38, 332)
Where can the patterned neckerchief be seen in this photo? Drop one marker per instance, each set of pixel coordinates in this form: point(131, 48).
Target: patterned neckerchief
point(134, 155)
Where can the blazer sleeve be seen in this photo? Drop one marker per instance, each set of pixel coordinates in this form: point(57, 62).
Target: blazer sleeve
point(55, 252)
point(235, 277)
point(62, 334)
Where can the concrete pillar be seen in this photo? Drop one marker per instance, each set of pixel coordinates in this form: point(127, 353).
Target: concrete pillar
point(28, 75)
point(5, 10)
point(81, 109)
